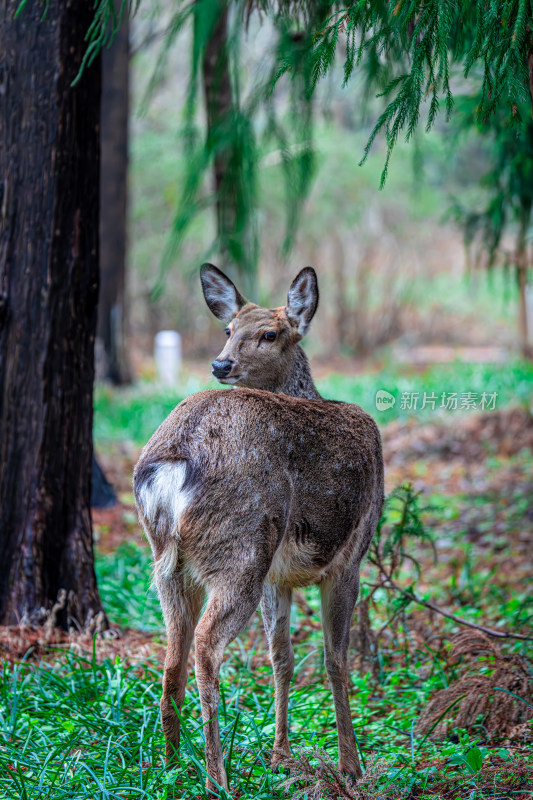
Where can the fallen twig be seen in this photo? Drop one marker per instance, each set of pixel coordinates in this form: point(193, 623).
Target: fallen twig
point(433, 607)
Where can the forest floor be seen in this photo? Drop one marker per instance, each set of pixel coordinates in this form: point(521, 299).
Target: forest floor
point(441, 710)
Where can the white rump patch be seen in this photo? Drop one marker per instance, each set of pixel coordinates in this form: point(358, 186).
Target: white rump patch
point(163, 501)
point(162, 495)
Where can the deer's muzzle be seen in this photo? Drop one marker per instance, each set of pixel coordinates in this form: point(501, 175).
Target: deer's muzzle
point(221, 369)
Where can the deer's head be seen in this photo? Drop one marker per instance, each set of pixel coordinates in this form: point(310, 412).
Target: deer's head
point(261, 342)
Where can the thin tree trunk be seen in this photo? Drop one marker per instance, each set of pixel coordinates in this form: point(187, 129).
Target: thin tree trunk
point(342, 314)
point(235, 234)
point(522, 269)
point(219, 105)
point(112, 305)
point(49, 184)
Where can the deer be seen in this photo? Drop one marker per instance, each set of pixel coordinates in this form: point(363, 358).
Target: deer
point(248, 493)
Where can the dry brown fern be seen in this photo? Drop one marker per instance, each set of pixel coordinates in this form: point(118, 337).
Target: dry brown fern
point(487, 692)
point(315, 776)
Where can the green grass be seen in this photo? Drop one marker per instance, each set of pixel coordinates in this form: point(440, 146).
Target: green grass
point(71, 727)
point(75, 727)
point(125, 583)
point(135, 413)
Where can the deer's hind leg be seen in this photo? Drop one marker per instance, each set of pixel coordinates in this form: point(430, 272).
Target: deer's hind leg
point(181, 604)
point(276, 611)
point(230, 605)
point(338, 598)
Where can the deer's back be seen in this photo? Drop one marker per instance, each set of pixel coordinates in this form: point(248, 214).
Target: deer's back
point(291, 476)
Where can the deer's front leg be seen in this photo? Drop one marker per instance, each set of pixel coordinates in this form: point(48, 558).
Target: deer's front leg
point(181, 608)
point(338, 599)
point(276, 611)
point(228, 611)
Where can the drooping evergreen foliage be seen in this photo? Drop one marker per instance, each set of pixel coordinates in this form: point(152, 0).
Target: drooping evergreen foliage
point(497, 231)
point(231, 143)
point(409, 47)
point(507, 184)
point(411, 51)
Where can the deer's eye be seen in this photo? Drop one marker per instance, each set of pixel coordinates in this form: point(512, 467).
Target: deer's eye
point(228, 331)
point(270, 336)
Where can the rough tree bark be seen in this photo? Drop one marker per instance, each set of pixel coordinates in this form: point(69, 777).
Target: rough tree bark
point(49, 184)
point(113, 206)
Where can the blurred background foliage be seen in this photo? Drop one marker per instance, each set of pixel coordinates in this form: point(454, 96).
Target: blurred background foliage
point(393, 268)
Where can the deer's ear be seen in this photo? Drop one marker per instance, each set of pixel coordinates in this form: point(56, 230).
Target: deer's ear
point(221, 294)
point(302, 301)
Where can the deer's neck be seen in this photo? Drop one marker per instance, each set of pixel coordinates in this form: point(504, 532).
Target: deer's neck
point(299, 382)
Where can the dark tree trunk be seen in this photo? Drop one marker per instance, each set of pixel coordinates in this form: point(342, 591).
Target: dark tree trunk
point(49, 174)
point(234, 225)
point(113, 206)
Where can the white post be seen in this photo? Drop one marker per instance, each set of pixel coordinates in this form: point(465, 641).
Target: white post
point(167, 355)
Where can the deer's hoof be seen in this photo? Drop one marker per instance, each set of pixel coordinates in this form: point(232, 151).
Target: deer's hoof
point(214, 791)
point(277, 763)
point(352, 778)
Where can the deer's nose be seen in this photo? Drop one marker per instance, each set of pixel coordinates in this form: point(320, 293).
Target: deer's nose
point(221, 369)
